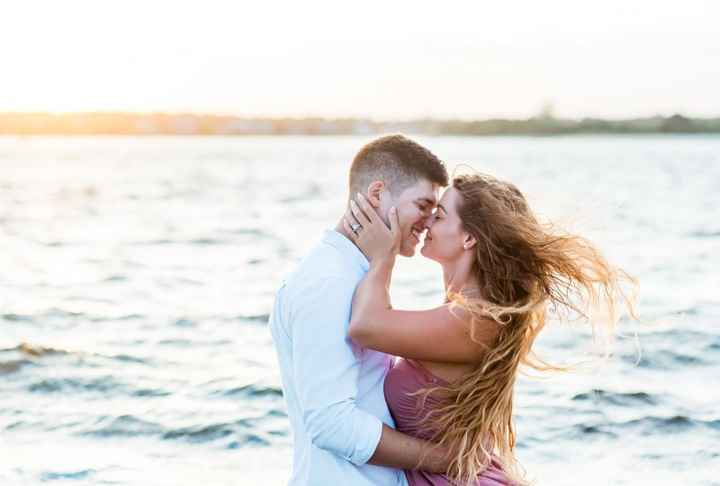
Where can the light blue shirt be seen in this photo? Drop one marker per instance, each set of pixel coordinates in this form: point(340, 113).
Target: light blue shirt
point(332, 387)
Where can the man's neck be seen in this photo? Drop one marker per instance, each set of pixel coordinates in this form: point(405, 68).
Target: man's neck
point(340, 228)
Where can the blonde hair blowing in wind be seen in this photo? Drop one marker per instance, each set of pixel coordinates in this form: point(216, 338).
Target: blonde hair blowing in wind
point(522, 268)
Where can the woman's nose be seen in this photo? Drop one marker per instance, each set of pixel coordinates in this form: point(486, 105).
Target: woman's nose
point(429, 221)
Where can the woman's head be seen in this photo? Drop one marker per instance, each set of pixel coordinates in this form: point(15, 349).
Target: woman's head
point(520, 267)
point(487, 223)
point(446, 240)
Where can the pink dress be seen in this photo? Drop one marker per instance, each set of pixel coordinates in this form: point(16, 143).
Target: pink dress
point(406, 377)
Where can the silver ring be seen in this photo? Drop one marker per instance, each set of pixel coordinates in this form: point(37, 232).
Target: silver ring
point(355, 227)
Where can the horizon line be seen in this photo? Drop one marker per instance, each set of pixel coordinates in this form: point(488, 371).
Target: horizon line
point(366, 118)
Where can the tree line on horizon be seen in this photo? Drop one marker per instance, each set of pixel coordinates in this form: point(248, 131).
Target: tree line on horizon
point(107, 123)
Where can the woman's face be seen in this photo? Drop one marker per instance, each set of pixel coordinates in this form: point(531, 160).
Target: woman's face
point(445, 237)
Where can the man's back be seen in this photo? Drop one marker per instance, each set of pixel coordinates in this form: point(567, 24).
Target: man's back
point(333, 389)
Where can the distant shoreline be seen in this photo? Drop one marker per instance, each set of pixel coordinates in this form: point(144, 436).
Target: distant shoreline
point(21, 124)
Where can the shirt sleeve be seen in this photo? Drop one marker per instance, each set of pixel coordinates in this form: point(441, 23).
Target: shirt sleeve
point(326, 370)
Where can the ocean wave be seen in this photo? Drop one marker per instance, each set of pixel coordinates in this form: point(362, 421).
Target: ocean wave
point(705, 234)
point(645, 426)
point(665, 359)
point(664, 425)
point(250, 391)
point(58, 314)
point(103, 384)
point(150, 392)
point(176, 342)
point(16, 317)
point(202, 433)
point(261, 318)
point(242, 432)
point(202, 241)
point(207, 241)
point(106, 386)
point(54, 476)
point(184, 322)
point(128, 317)
point(39, 351)
point(586, 431)
point(124, 426)
point(616, 398)
point(126, 358)
point(248, 440)
point(8, 367)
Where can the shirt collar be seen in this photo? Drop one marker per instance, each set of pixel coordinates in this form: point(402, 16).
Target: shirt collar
point(346, 247)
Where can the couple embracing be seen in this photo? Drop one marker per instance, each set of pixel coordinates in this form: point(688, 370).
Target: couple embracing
point(384, 396)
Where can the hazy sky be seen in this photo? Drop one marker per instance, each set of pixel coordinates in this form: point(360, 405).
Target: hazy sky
point(380, 59)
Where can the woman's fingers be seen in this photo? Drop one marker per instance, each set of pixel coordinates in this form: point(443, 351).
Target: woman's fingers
point(359, 214)
point(394, 221)
point(395, 226)
point(368, 210)
point(349, 230)
point(350, 217)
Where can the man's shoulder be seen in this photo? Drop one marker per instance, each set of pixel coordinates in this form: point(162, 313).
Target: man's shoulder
point(323, 262)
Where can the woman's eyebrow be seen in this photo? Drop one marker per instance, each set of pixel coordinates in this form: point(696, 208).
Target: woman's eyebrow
point(440, 206)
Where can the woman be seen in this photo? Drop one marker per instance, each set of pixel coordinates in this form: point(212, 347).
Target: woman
point(501, 269)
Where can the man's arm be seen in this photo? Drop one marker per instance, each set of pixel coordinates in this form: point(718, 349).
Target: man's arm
point(326, 376)
point(326, 371)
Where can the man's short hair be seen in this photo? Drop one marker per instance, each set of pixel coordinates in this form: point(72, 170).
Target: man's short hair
point(398, 162)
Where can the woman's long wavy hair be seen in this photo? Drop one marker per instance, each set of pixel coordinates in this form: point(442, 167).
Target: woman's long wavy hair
point(522, 268)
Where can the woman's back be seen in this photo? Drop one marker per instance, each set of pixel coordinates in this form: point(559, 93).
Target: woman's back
point(403, 379)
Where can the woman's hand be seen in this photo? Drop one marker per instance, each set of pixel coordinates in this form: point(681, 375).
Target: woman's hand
point(370, 233)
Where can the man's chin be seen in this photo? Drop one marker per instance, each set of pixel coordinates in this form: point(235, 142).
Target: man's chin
point(407, 251)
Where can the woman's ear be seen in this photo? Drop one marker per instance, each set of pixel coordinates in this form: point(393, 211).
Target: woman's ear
point(373, 193)
point(469, 241)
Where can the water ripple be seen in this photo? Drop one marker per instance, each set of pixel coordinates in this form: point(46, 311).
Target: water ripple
point(53, 476)
point(124, 426)
point(57, 385)
point(7, 367)
point(615, 398)
point(250, 391)
point(261, 318)
point(242, 432)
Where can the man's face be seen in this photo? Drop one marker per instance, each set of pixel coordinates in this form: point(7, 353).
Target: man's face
point(414, 206)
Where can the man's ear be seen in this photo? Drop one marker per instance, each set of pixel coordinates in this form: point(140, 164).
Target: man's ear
point(373, 193)
point(469, 241)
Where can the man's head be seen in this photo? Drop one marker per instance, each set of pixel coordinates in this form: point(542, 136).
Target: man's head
point(395, 171)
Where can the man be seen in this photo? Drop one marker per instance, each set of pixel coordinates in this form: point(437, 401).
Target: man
point(341, 425)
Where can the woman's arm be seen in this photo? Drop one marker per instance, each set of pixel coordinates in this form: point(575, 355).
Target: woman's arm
point(441, 334)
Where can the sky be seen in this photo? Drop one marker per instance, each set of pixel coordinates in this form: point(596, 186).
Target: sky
point(378, 59)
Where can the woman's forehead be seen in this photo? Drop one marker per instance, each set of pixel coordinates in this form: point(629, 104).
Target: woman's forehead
point(448, 196)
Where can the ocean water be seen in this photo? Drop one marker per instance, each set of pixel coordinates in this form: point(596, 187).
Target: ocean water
point(138, 274)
